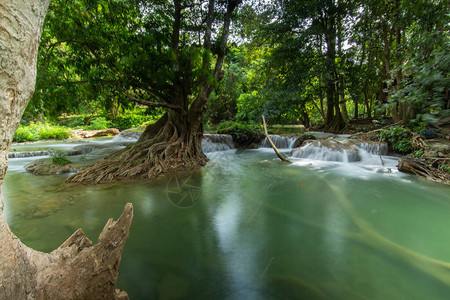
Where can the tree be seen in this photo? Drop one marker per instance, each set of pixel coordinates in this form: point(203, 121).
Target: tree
point(405, 81)
point(76, 270)
point(306, 48)
point(157, 54)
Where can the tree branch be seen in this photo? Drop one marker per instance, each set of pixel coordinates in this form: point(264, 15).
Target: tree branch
point(81, 82)
point(232, 4)
point(148, 103)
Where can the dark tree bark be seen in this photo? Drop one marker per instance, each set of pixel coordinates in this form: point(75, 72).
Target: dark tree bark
point(76, 270)
point(334, 122)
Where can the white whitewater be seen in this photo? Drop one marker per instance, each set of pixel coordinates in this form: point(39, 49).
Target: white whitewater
point(281, 142)
point(217, 142)
point(374, 148)
point(127, 136)
point(341, 151)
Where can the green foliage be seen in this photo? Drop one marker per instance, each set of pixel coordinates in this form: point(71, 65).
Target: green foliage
point(418, 153)
point(239, 130)
point(73, 121)
point(40, 131)
point(444, 167)
point(398, 138)
point(426, 72)
point(249, 108)
point(24, 134)
point(59, 158)
point(123, 122)
point(99, 123)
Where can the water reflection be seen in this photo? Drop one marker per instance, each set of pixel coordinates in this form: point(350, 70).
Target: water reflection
point(258, 229)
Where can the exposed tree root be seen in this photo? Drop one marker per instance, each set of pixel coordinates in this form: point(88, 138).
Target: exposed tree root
point(164, 147)
point(371, 135)
point(425, 168)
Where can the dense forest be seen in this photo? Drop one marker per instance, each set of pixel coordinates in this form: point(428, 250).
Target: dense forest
point(317, 63)
point(334, 66)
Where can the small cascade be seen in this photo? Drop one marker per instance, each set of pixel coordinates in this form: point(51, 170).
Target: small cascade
point(374, 147)
point(25, 154)
point(127, 136)
point(77, 151)
point(281, 142)
point(328, 150)
point(217, 142)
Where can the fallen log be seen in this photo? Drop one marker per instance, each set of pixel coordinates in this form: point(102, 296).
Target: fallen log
point(280, 156)
point(423, 168)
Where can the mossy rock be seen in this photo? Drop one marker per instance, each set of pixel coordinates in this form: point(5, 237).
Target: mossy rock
point(302, 138)
point(47, 167)
point(244, 135)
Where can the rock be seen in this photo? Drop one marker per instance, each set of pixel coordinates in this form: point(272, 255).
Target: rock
point(437, 148)
point(46, 167)
point(302, 138)
point(80, 133)
point(251, 141)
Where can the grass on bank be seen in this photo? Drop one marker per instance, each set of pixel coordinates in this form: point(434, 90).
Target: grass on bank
point(40, 131)
point(60, 129)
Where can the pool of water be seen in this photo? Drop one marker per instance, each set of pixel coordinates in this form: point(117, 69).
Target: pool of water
point(250, 227)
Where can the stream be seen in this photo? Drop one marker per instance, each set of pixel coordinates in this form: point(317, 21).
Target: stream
point(248, 226)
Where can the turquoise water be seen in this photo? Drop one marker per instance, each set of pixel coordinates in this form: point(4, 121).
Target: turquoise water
point(250, 227)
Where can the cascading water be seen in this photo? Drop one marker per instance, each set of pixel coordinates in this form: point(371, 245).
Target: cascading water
point(77, 151)
point(374, 148)
point(281, 142)
point(340, 151)
point(127, 136)
point(217, 142)
point(28, 154)
point(327, 150)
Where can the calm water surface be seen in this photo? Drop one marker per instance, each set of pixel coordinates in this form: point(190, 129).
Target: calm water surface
point(249, 227)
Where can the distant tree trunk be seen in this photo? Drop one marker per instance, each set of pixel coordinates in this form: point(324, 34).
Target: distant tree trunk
point(334, 121)
point(76, 270)
point(367, 106)
point(382, 94)
point(343, 106)
point(355, 112)
point(340, 75)
point(305, 116)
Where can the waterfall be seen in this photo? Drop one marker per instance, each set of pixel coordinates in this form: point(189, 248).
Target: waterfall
point(217, 142)
point(28, 154)
point(332, 150)
point(281, 142)
point(23, 154)
point(374, 147)
point(328, 150)
point(127, 136)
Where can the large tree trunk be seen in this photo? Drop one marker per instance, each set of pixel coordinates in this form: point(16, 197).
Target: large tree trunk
point(334, 121)
point(76, 270)
point(171, 144)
